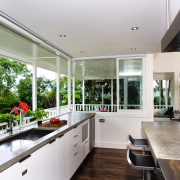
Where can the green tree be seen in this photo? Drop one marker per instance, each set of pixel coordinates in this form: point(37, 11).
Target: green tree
point(24, 89)
point(9, 72)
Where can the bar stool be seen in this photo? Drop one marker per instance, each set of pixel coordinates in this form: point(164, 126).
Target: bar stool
point(141, 162)
point(138, 143)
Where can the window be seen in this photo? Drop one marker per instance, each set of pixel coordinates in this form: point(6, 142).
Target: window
point(163, 94)
point(131, 83)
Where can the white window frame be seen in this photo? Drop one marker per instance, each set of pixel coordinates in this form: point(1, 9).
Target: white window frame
point(132, 111)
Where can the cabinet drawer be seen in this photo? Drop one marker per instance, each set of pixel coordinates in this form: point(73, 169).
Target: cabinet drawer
point(74, 134)
point(75, 160)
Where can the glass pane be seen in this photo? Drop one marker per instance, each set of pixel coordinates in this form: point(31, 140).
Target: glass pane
point(46, 88)
point(162, 94)
point(130, 83)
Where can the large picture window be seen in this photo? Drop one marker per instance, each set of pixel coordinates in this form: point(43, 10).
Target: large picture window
point(131, 83)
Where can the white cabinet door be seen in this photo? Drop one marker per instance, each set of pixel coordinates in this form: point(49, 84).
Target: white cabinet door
point(74, 142)
point(61, 157)
point(85, 139)
point(85, 149)
point(49, 161)
point(31, 167)
point(27, 169)
point(12, 172)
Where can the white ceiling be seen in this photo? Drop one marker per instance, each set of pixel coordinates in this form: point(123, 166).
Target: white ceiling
point(93, 27)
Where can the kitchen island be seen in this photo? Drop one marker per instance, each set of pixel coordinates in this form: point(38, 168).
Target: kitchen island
point(164, 141)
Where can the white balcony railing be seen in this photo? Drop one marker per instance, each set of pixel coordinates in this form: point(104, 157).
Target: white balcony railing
point(104, 107)
point(90, 108)
point(162, 106)
point(53, 111)
point(81, 107)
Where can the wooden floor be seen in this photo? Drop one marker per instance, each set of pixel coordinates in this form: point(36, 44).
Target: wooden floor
point(109, 164)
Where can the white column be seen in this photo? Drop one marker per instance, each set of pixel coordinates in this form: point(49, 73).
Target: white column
point(34, 86)
point(73, 93)
point(69, 84)
point(102, 96)
point(34, 80)
point(117, 82)
point(57, 85)
point(112, 95)
point(83, 94)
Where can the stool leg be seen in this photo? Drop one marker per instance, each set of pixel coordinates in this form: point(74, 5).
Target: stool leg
point(148, 175)
point(143, 175)
point(143, 151)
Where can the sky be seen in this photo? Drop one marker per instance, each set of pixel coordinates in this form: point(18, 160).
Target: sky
point(44, 73)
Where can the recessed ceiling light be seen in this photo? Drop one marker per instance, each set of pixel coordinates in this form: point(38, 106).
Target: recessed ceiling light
point(62, 35)
point(133, 49)
point(81, 64)
point(134, 28)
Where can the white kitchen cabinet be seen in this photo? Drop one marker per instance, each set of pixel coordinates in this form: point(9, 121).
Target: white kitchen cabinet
point(61, 157)
point(85, 139)
point(27, 169)
point(12, 172)
point(57, 160)
point(30, 167)
point(49, 161)
point(74, 149)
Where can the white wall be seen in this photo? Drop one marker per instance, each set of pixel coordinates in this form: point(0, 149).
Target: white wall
point(174, 7)
point(169, 62)
point(114, 131)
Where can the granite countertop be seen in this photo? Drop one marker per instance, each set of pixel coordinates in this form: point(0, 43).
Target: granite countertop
point(164, 141)
point(8, 158)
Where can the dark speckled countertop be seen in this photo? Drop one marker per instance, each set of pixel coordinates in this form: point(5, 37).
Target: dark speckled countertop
point(8, 157)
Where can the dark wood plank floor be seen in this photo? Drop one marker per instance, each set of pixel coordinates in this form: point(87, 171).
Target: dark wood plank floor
point(109, 164)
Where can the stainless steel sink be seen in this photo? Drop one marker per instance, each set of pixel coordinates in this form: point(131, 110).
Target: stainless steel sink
point(22, 139)
point(32, 134)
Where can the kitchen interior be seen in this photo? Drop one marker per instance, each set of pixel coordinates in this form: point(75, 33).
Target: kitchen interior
point(108, 44)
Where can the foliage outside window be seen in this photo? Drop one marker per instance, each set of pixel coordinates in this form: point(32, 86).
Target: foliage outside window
point(162, 93)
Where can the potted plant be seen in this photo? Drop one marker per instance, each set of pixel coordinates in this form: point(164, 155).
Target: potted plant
point(39, 114)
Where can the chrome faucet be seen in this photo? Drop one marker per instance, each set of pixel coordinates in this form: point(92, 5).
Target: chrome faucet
point(10, 120)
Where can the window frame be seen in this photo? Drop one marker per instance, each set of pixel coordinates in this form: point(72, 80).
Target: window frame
point(143, 109)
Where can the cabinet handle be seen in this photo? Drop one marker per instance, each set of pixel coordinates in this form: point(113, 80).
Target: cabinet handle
point(24, 172)
point(75, 144)
point(86, 142)
point(52, 141)
point(23, 159)
point(102, 120)
point(75, 153)
point(61, 135)
point(75, 136)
